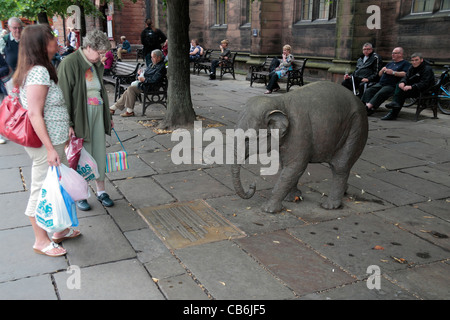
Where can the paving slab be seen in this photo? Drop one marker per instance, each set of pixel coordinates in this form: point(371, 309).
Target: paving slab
point(429, 282)
point(14, 178)
point(232, 274)
point(423, 151)
point(12, 210)
point(439, 208)
point(246, 214)
point(30, 288)
point(360, 291)
point(301, 268)
point(192, 185)
point(143, 192)
point(17, 266)
point(101, 241)
point(381, 189)
point(121, 280)
point(433, 173)
point(426, 188)
point(359, 241)
point(428, 227)
point(390, 159)
point(182, 287)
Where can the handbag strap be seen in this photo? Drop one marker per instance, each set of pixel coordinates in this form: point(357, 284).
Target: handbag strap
point(119, 139)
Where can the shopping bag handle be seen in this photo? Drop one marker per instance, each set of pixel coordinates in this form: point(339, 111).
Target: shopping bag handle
point(118, 139)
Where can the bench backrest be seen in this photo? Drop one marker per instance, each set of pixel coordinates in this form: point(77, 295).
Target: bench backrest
point(299, 65)
point(123, 68)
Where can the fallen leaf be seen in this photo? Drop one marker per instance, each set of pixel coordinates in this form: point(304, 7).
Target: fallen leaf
point(399, 260)
point(221, 282)
point(378, 248)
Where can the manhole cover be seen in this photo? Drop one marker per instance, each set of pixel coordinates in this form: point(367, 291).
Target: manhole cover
point(180, 225)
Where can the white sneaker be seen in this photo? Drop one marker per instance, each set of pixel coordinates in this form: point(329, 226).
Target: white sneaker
point(2, 141)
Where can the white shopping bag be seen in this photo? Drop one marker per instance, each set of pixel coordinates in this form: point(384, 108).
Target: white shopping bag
point(51, 212)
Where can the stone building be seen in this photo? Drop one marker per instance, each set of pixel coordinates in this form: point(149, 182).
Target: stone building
point(330, 33)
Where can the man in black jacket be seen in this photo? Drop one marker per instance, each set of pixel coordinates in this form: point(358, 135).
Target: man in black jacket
point(419, 78)
point(153, 75)
point(367, 68)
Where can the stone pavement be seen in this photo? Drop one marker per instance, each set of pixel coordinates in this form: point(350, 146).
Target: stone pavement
point(180, 231)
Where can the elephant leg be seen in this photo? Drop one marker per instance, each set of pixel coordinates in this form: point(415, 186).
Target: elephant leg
point(286, 183)
point(337, 189)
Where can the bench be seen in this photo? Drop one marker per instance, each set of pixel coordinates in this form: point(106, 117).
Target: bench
point(260, 72)
point(155, 96)
point(136, 50)
point(122, 73)
point(204, 58)
point(226, 66)
point(294, 76)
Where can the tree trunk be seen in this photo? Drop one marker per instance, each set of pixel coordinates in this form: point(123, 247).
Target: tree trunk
point(180, 112)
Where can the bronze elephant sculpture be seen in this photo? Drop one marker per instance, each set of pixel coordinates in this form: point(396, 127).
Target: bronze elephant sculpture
point(321, 122)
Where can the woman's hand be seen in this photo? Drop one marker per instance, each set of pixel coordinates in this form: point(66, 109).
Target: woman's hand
point(53, 158)
point(71, 132)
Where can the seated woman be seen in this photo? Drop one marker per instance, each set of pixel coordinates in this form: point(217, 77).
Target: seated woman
point(107, 61)
point(281, 69)
point(196, 50)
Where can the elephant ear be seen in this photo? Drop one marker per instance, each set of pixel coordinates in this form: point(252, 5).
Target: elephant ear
point(277, 119)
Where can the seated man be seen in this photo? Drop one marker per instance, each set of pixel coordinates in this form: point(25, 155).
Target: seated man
point(224, 55)
point(153, 75)
point(418, 79)
point(125, 47)
point(366, 71)
point(390, 75)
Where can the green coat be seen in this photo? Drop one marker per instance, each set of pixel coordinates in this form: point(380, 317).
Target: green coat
point(71, 80)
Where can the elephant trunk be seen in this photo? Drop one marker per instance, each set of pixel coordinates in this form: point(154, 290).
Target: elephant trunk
point(236, 174)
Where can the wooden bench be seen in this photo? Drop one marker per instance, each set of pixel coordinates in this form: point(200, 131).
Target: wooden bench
point(260, 72)
point(204, 58)
point(153, 95)
point(122, 74)
point(294, 76)
point(226, 66)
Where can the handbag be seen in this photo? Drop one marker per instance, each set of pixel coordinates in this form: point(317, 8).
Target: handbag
point(117, 161)
point(15, 124)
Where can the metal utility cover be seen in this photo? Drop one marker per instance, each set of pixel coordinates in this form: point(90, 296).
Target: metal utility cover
point(181, 225)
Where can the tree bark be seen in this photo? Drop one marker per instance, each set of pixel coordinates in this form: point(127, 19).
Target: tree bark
point(180, 112)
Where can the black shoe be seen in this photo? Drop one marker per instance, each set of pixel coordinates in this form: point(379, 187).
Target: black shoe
point(391, 105)
point(392, 115)
point(105, 200)
point(83, 205)
point(370, 111)
point(212, 76)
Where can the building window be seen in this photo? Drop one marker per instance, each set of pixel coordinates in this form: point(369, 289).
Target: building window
point(422, 6)
point(445, 5)
point(307, 9)
point(317, 9)
point(221, 12)
point(246, 12)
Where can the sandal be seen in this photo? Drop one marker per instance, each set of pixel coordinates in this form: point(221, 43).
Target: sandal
point(70, 235)
point(47, 249)
point(268, 92)
point(276, 89)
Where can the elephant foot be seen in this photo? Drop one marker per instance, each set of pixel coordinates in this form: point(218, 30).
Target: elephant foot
point(294, 195)
point(272, 207)
point(330, 204)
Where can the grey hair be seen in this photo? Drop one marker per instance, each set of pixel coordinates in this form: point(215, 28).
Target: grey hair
point(14, 19)
point(157, 53)
point(97, 40)
point(417, 55)
point(368, 44)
